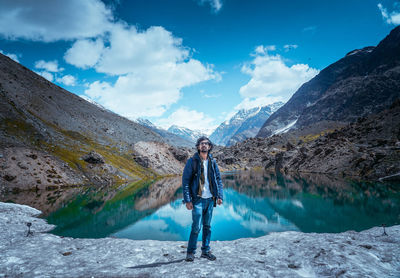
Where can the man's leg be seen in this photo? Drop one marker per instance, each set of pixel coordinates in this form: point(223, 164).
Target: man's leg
point(196, 218)
point(207, 215)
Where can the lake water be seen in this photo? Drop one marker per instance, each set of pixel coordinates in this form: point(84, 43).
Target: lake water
point(255, 204)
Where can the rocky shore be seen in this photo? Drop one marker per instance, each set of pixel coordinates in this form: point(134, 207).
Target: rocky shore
point(289, 254)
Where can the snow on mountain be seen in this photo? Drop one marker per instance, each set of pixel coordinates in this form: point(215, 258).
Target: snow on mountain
point(146, 123)
point(186, 133)
point(252, 124)
point(241, 123)
point(166, 134)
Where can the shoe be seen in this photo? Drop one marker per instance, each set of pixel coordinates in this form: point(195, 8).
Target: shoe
point(208, 256)
point(190, 257)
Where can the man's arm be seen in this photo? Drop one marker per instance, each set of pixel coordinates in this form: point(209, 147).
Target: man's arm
point(220, 187)
point(186, 178)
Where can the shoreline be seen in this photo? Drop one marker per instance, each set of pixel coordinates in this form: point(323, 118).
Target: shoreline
point(287, 254)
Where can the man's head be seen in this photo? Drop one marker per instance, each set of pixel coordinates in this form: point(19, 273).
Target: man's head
point(204, 144)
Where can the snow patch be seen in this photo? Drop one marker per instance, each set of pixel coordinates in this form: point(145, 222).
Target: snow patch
point(285, 128)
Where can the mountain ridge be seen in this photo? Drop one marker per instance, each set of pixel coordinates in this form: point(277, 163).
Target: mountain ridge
point(243, 124)
point(345, 90)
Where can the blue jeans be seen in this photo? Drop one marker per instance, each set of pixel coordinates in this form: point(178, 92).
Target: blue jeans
point(201, 214)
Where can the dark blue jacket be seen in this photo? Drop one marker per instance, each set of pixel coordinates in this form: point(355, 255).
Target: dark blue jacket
point(191, 179)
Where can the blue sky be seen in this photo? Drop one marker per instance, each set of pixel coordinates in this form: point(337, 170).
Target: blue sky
point(193, 63)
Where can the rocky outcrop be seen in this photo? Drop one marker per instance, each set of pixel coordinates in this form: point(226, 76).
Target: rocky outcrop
point(160, 157)
point(364, 82)
point(93, 158)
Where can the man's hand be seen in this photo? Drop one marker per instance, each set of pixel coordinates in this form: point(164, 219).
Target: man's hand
point(219, 202)
point(189, 206)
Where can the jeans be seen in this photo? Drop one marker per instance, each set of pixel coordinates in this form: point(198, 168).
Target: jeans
point(201, 214)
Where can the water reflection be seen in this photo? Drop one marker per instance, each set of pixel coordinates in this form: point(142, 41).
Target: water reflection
point(256, 203)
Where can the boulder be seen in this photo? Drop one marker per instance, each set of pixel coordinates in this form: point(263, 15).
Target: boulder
point(93, 158)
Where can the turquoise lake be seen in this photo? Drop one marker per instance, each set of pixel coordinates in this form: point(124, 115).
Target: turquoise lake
point(255, 204)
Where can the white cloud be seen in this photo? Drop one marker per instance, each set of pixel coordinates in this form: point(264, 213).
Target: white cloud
point(216, 5)
point(272, 80)
point(311, 29)
point(288, 47)
point(11, 56)
point(84, 53)
point(390, 18)
point(152, 67)
point(191, 119)
point(50, 66)
point(261, 49)
point(49, 20)
point(212, 95)
point(46, 75)
point(68, 80)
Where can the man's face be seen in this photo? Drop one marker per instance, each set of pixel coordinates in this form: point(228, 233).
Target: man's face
point(204, 146)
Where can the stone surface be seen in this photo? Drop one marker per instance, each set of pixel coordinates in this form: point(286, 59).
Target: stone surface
point(287, 254)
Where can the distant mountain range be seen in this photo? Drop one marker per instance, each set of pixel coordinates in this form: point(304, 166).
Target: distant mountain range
point(186, 133)
point(365, 81)
point(244, 124)
point(170, 135)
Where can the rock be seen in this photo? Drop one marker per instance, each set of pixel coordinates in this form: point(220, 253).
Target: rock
point(93, 158)
point(289, 146)
point(141, 160)
point(9, 177)
point(20, 165)
point(33, 156)
point(179, 154)
point(229, 160)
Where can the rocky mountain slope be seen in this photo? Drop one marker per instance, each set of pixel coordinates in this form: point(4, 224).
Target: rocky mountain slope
point(244, 124)
point(52, 138)
point(365, 81)
point(367, 149)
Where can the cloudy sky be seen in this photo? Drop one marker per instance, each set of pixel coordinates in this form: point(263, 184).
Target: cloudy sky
point(193, 63)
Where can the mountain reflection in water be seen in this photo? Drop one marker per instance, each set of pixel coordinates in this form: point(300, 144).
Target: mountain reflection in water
point(255, 204)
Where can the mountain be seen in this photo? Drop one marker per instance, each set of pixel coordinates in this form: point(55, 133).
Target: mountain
point(51, 138)
point(169, 136)
point(186, 133)
point(250, 127)
point(224, 131)
point(368, 150)
point(251, 118)
point(365, 81)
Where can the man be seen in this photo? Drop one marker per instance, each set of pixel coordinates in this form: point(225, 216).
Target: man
point(202, 190)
